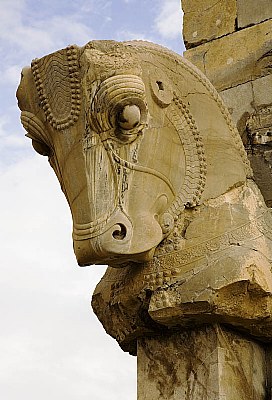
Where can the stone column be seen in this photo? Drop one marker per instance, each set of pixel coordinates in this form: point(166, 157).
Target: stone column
point(209, 363)
point(231, 42)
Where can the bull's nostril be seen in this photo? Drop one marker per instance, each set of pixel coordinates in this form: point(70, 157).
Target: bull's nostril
point(120, 233)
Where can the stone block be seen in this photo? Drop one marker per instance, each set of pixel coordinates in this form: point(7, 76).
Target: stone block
point(252, 12)
point(206, 20)
point(262, 91)
point(210, 363)
point(243, 101)
point(239, 101)
point(235, 59)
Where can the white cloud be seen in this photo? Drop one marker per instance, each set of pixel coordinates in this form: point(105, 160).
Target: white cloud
point(125, 35)
point(41, 35)
point(51, 344)
point(11, 75)
point(169, 20)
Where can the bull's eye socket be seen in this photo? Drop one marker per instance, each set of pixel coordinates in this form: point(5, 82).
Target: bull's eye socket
point(129, 117)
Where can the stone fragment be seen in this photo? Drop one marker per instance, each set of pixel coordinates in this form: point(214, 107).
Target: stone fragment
point(235, 59)
point(250, 106)
point(239, 100)
point(245, 99)
point(206, 20)
point(262, 91)
point(211, 363)
point(250, 12)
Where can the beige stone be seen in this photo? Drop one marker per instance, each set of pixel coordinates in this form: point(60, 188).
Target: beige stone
point(235, 59)
point(250, 108)
point(251, 12)
point(245, 99)
point(262, 91)
point(210, 363)
point(159, 187)
point(205, 20)
point(239, 101)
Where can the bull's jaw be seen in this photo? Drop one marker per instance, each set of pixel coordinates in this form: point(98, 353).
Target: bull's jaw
point(123, 239)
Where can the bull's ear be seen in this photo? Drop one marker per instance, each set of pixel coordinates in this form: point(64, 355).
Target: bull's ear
point(27, 94)
point(57, 82)
point(36, 131)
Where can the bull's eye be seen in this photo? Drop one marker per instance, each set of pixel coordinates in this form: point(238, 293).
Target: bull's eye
point(129, 117)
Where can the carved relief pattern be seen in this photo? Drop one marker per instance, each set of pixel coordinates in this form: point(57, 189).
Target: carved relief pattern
point(35, 128)
point(164, 247)
point(113, 94)
point(196, 167)
point(163, 52)
point(160, 272)
point(57, 81)
point(169, 260)
point(165, 271)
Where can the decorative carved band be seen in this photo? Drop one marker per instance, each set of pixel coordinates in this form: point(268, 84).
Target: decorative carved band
point(190, 68)
point(158, 271)
point(57, 81)
point(170, 260)
point(195, 160)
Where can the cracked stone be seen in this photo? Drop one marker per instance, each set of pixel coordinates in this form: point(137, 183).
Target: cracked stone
point(205, 20)
point(253, 12)
point(210, 363)
point(235, 59)
point(239, 101)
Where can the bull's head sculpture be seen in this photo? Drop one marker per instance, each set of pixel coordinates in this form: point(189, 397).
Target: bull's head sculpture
point(158, 183)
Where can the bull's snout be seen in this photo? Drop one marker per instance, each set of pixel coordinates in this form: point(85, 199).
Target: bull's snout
point(119, 241)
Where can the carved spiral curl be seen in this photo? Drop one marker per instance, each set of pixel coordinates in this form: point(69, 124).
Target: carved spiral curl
point(112, 96)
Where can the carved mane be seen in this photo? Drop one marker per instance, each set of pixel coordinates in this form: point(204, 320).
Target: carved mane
point(159, 187)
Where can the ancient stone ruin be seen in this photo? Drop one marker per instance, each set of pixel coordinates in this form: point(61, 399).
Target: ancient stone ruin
point(161, 190)
point(231, 42)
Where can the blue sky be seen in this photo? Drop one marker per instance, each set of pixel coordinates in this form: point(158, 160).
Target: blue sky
point(51, 344)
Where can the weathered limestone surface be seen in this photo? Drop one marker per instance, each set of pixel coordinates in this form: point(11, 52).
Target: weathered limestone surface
point(219, 20)
point(239, 101)
point(210, 363)
point(235, 59)
point(246, 99)
point(159, 187)
point(239, 65)
point(250, 107)
point(252, 12)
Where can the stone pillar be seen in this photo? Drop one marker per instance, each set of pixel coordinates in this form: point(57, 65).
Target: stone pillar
point(231, 42)
point(209, 363)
